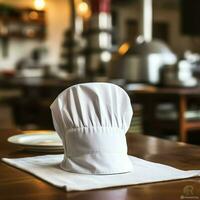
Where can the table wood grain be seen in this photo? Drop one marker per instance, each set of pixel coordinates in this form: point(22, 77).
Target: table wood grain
point(16, 184)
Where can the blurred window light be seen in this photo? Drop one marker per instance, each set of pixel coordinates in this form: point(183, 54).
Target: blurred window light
point(105, 56)
point(104, 40)
point(105, 21)
point(39, 4)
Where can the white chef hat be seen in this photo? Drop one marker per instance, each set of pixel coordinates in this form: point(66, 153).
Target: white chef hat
point(92, 120)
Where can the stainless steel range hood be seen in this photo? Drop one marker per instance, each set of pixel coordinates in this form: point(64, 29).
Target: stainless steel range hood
point(142, 63)
point(145, 43)
point(146, 19)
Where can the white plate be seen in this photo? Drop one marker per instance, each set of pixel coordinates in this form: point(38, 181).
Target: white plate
point(47, 141)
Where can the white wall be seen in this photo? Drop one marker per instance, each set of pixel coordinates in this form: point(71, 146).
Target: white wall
point(57, 18)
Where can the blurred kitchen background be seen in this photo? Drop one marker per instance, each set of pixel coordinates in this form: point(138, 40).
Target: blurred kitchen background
point(151, 48)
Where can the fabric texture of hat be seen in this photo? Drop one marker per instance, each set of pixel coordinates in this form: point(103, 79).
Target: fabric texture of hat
point(92, 120)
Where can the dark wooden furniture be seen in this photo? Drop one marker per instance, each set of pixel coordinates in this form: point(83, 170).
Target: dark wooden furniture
point(40, 93)
point(152, 96)
point(16, 184)
point(36, 96)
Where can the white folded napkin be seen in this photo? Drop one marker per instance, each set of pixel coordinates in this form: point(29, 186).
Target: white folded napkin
point(48, 168)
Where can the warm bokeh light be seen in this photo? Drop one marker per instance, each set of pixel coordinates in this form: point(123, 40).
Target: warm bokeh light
point(123, 48)
point(83, 9)
point(39, 4)
point(33, 15)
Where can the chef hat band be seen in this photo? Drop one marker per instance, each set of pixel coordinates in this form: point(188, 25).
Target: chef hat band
point(92, 120)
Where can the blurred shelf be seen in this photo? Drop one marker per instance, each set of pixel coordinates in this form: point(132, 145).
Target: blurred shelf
point(21, 23)
point(180, 97)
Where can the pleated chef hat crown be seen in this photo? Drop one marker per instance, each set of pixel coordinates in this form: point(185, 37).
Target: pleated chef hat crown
point(92, 120)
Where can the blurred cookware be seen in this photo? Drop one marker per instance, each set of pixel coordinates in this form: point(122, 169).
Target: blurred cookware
point(178, 75)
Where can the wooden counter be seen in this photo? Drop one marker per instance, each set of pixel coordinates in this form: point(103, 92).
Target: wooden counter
point(153, 96)
point(16, 184)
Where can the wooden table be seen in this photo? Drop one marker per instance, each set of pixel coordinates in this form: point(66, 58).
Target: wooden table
point(16, 184)
point(153, 96)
